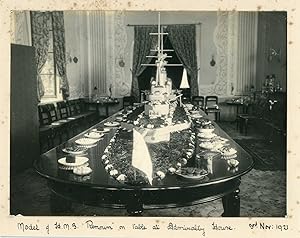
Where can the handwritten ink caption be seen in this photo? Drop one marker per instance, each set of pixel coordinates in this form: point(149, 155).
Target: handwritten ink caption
point(268, 226)
point(55, 226)
point(92, 225)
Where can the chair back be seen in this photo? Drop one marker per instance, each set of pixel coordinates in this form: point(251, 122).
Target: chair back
point(63, 109)
point(72, 107)
point(79, 106)
point(128, 101)
point(211, 101)
point(198, 101)
point(44, 115)
point(52, 112)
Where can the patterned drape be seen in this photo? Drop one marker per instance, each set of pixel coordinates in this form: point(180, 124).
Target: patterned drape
point(60, 50)
point(143, 42)
point(40, 40)
point(183, 40)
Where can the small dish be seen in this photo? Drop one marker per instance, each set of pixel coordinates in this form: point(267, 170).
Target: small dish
point(102, 129)
point(111, 124)
point(195, 116)
point(79, 161)
point(75, 150)
point(233, 162)
point(86, 141)
point(63, 121)
point(82, 170)
point(206, 135)
point(205, 130)
point(94, 135)
point(191, 173)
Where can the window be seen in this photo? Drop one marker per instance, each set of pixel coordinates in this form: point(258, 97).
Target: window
point(49, 75)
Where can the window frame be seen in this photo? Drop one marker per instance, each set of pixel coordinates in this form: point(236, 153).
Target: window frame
point(57, 96)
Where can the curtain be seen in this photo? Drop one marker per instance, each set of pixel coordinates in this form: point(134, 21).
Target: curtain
point(60, 50)
point(183, 40)
point(143, 42)
point(40, 41)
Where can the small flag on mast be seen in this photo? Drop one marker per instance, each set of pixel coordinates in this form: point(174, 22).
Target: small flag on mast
point(184, 81)
point(141, 158)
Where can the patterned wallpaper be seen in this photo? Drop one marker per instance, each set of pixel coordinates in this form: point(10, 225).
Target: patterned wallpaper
point(221, 41)
point(20, 24)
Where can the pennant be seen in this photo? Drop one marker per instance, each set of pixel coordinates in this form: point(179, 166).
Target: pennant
point(140, 155)
point(184, 81)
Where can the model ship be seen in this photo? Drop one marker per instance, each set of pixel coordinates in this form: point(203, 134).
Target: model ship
point(161, 93)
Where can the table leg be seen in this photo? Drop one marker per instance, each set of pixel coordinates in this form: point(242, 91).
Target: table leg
point(106, 110)
point(246, 126)
point(134, 205)
point(231, 204)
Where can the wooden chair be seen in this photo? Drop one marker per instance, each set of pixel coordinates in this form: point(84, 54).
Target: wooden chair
point(198, 101)
point(63, 109)
point(60, 127)
point(64, 114)
point(87, 117)
point(211, 106)
point(128, 101)
point(45, 129)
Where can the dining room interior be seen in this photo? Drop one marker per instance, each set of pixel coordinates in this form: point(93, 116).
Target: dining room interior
point(156, 114)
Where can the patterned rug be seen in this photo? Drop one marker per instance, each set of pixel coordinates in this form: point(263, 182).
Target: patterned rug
point(265, 156)
point(31, 196)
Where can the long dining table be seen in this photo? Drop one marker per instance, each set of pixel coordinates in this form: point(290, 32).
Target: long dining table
point(101, 189)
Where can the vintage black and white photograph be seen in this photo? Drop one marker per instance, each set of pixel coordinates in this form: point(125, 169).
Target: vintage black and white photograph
point(148, 113)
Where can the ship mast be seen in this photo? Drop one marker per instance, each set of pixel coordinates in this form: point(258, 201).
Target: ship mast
point(160, 63)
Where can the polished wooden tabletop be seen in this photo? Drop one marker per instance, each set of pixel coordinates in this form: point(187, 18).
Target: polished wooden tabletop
point(219, 172)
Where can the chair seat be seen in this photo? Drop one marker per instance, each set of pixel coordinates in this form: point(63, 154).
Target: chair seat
point(45, 128)
point(247, 116)
point(213, 109)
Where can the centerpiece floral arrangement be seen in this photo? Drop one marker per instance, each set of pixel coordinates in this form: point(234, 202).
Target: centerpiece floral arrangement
point(166, 157)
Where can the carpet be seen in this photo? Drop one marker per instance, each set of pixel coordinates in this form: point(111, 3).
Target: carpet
point(31, 196)
point(265, 155)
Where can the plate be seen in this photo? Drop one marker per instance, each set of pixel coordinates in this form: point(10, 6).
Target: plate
point(94, 135)
point(82, 170)
point(206, 145)
point(227, 157)
point(196, 116)
point(193, 112)
point(111, 124)
point(103, 130)
point(206, 135)
point(63, 121)
point(74, 150)
point(79, 160)
point(86, 141)
point(205, 130)
point(119, 119)
point(228, 152)
point(223, 139)
point(55, 124)
point(192, 173)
